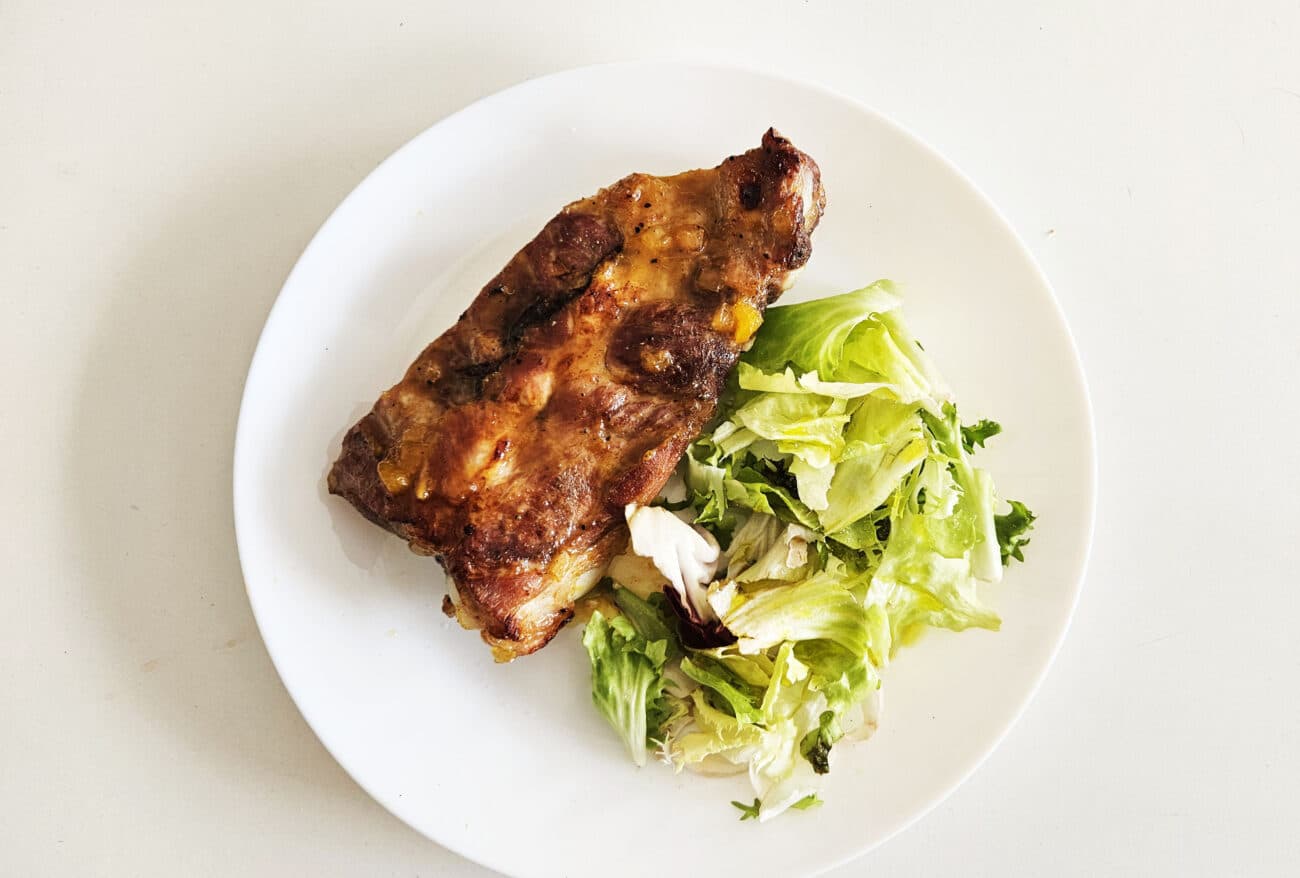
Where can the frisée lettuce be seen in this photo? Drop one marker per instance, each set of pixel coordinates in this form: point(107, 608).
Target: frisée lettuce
point(834, 513)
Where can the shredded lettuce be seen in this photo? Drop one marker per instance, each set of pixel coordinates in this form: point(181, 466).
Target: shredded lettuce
point(836, 512)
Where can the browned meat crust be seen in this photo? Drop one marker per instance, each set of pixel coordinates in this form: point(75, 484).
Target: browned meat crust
point(574, 383)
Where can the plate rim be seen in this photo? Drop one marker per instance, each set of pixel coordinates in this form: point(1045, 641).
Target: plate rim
point(1076, 372)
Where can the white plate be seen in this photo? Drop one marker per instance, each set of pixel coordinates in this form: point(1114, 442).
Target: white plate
point(510, 765)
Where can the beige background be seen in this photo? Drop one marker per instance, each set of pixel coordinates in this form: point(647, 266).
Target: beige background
point(163, 164)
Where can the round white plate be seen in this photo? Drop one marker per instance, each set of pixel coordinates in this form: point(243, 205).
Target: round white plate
point(510, 765)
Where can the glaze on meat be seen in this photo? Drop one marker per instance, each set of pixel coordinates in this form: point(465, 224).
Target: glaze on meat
point(575, 381)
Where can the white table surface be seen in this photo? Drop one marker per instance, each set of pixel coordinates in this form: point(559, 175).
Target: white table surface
point(163, 164)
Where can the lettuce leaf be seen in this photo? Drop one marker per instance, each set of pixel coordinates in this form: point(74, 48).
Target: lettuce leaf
point(1011, 529)
point(651, 618)
point(750, 377)
point(979, 433)
point(627, 681)
point(819, 608)
point(812, 336)
point(782, 553)
point(887, 443)
point(731, 690)
point(751, 541)
point(976, 491)
point(942, 542)
point(719, 491)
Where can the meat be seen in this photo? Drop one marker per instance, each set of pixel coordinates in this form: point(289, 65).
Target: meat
point(575, 381)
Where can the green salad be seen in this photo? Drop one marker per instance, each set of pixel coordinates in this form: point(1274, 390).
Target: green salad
point(831, 512)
